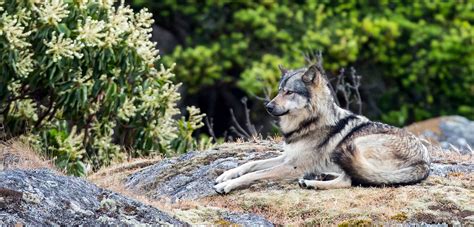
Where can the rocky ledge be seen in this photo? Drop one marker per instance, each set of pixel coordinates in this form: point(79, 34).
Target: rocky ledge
point(41, 197)
point(450, 132)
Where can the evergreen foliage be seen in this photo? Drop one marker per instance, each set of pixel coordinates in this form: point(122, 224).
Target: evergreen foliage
point(85, 83)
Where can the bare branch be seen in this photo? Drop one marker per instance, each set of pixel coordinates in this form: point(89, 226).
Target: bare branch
point(319, 59)
point(234, 130)
point(210, 127)
point(238, 129)
point(356, 81)
point(343, 87)
point(248, 123)
point(247, 132)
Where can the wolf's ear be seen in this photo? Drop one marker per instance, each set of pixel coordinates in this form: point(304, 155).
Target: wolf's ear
point(312, 75)
point(283, 70)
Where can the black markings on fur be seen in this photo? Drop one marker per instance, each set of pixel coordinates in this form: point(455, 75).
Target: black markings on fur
point(303, 125)
point(300, 88)
point(302, 184)
point(343, 155)
point(309, 176)
point(337, 128)
point(283, 81)
point(319, 177)
point(354, 130)
point(287, 76)
point(327, 177)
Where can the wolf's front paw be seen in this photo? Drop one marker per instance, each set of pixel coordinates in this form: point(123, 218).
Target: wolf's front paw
point(304, 184)
point(228, 175)
point(224, 187)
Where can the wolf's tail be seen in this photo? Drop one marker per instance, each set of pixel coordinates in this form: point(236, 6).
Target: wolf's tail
point(378, 160)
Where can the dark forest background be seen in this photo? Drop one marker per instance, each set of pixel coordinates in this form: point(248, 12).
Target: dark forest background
point(416, 58)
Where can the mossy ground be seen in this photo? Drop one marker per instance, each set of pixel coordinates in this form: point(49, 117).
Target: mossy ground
point(442, 199)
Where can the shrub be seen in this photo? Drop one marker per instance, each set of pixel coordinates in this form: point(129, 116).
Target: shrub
point(418, 58)
point(85, 80)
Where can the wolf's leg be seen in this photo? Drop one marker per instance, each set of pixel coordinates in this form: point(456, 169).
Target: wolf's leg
point(342, 181)
point(250, 167)
point(282, 171)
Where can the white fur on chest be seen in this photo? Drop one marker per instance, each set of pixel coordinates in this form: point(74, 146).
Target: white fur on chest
point(304, 155)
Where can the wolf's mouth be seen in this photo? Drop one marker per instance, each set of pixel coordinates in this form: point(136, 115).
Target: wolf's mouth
point(279, 115)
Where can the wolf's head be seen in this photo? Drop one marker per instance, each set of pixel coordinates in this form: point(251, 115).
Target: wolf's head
point(301, 93)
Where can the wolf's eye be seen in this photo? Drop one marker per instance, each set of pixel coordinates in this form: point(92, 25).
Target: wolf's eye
point(289, 92)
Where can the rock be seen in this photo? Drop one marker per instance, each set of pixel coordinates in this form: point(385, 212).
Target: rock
point(447, 131)
point(245, 219)
point(41, 197)
point(450, 136)
point(440, 169)
point(192, 175)
point(459, 132)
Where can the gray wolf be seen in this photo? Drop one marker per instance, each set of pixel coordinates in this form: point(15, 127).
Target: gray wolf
point(324, 139)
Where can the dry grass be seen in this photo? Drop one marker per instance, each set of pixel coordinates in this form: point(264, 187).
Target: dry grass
point(15, 154)
point(298, 206)
point(114, 174)
point(438, 155)
point(112, 178)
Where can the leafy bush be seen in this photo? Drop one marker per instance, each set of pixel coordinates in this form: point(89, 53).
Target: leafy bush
point(418, 58)
point(85, 80)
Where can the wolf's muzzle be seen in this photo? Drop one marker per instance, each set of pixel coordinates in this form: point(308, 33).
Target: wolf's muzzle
point(274, 111)
point(270, 107)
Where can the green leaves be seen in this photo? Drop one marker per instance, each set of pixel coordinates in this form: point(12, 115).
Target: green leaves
point(94, 95)
point(67, 149)
point(419, 50)
point(64, 29)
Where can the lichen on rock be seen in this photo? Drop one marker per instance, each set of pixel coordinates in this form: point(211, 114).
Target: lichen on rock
point(42, 197)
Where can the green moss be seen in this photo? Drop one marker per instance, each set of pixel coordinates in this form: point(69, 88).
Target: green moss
point(357, 222)
point(400, 217)
point(222, 222)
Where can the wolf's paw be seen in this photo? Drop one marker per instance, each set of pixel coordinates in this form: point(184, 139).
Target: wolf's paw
point(224, 187)
point(303, 184)
point(228, 175)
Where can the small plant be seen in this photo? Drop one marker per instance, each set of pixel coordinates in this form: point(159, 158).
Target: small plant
point(85, 80)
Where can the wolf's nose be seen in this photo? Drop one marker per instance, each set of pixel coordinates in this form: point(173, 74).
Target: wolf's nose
point(270, 107)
